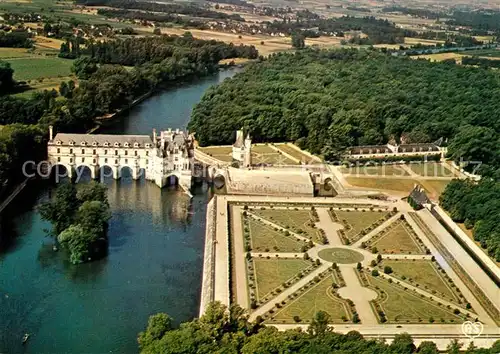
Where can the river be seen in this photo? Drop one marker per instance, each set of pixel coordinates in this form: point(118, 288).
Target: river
point(154, 264)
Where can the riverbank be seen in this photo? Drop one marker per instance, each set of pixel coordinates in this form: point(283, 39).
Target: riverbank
point(155, 260)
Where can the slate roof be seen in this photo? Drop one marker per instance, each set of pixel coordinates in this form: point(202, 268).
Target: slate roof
point(101, 139)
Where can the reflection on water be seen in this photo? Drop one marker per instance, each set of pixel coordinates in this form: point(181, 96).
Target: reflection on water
point(154, 263)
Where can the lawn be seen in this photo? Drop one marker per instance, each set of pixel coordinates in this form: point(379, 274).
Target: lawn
point(435, 187)
point(223, 153)
point(340, 255)
point(392, 184)
point(265, 239)
point(431, 169)
point(36, 68)
point(424, 273)
point(398, 239)
point(298, 221)
point(356, 221)
point(272, 273)
point(384, 170)
point(46, 84)
point(319, 297)
point(263, 149)
point(287, 148)
point(401, 305)
point(6, 53)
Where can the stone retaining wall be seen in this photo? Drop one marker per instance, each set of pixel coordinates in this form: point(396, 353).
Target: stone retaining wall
point(208, 281)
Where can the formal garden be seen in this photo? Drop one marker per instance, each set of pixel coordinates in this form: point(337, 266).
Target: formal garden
point(397, 238)
point(357, 222)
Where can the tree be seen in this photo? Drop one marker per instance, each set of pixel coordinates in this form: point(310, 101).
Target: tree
point(387, 270)
point(298, 41)
point(375, 272)
point(157, 31)
point(427, 347)
point(158, 325)
point(77, 241)
point(6, 80)
point(402, 343)
point(61, 210)
point(319, 324)
point(454, 347)
point(83, 68)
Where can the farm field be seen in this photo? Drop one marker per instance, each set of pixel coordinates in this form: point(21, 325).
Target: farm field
point(271, 273)
point(319, 297)
point(401, 305)
point(397, 239)
point(34, 68)
point(424, 273)
point(264, 238)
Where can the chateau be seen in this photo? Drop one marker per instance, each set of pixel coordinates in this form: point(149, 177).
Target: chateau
point(159, 158)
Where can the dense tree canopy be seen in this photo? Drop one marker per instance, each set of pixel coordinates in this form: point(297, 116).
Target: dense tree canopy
point(327, 100)
point(79, 220)
point(478, 206)
point(221, 331)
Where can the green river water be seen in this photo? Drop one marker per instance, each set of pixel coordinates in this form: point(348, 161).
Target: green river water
point(156, 240)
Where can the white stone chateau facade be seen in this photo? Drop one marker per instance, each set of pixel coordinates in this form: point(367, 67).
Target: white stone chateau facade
point(158, 158)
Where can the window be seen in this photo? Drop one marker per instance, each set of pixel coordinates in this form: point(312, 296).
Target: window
point(126, 160)
point(117, 144)
point(83, 159)
point(94, 151)
point(116, 152)
point(105, 152)
point(126, 145)
point(136, 145)
point(83, 151)
point(116, 162)
point(147, 162)
point(126, 152)
point(58, 150)
point(70, 151)
point(106, 160)
point(135, 152)
point(94, 160)
point(147, 153)
point(58, 159)
point(71, 160)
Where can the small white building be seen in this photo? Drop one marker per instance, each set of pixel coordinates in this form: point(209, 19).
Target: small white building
point(242, 149)
point(157, 158)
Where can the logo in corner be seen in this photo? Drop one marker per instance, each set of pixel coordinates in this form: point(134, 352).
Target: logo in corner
point(472, 329)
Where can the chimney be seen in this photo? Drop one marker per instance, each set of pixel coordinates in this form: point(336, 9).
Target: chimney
point(154, 136)
point(51, 132)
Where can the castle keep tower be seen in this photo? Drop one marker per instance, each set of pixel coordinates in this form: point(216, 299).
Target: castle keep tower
point(242, 149)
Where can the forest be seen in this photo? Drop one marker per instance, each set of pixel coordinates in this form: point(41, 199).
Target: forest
point(150, 16)
point(326, 101)
point(137, 51)
point(478, 207)
point(15, 39)
point(222, 331)
point(377, 31)
point(189, 9)
point(102, 89)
